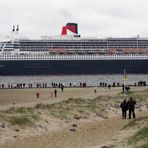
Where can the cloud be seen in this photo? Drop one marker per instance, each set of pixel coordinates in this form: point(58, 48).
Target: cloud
point(95, 17)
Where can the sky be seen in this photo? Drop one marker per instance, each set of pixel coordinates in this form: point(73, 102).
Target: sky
point(95, 18)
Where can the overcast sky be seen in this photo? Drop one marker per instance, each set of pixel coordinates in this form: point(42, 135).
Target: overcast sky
point(95, 18)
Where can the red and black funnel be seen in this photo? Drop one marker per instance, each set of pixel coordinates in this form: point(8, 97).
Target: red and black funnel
point(73, 27)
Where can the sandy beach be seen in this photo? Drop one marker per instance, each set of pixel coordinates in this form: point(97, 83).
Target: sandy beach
point(83, 127)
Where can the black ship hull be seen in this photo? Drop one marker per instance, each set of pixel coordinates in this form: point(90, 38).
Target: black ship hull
point(69, 67)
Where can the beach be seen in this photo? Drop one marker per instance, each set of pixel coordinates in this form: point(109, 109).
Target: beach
point(76, 118)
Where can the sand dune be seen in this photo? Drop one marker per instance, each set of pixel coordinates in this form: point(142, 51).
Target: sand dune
point(90, 132)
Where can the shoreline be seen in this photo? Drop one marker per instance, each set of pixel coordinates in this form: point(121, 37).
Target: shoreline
point(76, 86)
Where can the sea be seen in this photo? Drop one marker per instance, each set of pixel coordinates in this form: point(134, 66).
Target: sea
point(90, 80)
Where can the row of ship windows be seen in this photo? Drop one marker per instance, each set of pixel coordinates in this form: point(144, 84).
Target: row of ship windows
point(80, 42)
point(74, 58)
point(83, 42)
point(65, 56)
point(40, 54)
point(78, 45)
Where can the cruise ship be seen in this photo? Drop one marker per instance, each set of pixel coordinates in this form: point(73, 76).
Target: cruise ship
point(69, 54)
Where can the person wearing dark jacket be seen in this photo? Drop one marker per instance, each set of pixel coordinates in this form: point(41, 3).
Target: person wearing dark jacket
point(124, 108)
point(131, 106)
point(55, 93)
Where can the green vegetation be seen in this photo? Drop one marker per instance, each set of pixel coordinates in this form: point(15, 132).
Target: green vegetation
point(136, 121)
point(139, 95)
point(22, 110)
point(70, 108)
point(23, 119)
point(73, 106)
point(19, 116)
point(140, 136)
point(143, 146)
point(140, 139)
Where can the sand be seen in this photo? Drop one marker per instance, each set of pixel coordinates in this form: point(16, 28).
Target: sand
point(27, 97)
point(92, 132)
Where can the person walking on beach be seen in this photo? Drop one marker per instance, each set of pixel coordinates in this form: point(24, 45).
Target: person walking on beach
point(95, 89)
point(55, 93)
point(124, 108)
point(37, 94)
point(131, 107)
point(62, 87)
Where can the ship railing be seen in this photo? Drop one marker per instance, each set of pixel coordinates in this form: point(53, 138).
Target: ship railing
point(47, 56)
point(72, 51)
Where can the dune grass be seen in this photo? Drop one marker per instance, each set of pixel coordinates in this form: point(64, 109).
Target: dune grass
point(22, 120)
point(73, 106)
point(140, 137)
point(139, 95)
point(136, 122)
point(66, 109)
point(19, 116)
point(143, 146)
point(69, 108)
point(84, 107)
point(22, 110)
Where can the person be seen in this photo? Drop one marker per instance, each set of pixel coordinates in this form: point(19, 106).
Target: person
point(95, 89)
point(37, 94)
point(109, 86)
point(62, 87)
point(55, 93)
point(131, 107)
point(124, 108)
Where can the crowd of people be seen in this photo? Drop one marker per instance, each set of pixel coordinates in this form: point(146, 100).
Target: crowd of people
point(71, 84)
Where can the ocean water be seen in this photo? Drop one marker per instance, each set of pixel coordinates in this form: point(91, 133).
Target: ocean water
point(90, 80)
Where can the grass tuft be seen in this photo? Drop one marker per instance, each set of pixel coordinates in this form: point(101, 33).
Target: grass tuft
point(141, 135)
point(143, 146)
point(19, 116)
point(136, 121)
point(73, 106)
